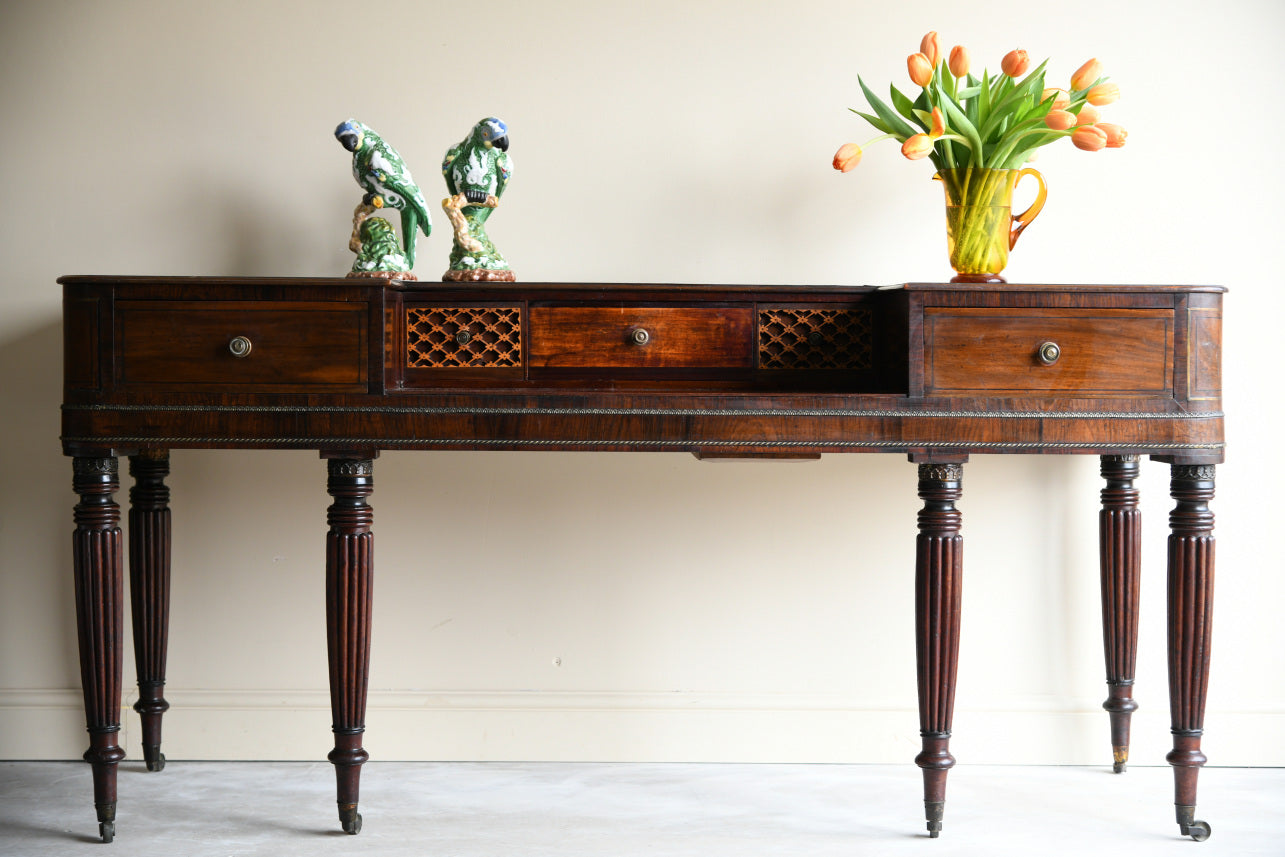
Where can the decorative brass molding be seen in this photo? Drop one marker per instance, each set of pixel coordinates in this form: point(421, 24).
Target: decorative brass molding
point(351, 467)
point(426, 442)
point(1194, 472)
point(899, 413)
point(941, 472)
point(82, 466)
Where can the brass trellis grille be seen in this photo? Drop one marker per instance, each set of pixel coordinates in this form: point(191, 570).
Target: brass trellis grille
point(814, 339)
point(463, 337)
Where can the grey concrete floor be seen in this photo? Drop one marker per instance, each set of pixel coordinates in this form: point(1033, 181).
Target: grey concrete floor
point(193, 809)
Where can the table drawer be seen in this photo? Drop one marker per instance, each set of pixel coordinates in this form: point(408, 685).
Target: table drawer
point(642, 337)
point(1063, 352)
point(243, 345)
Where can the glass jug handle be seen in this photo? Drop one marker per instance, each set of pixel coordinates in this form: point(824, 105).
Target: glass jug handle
point(1023, 220)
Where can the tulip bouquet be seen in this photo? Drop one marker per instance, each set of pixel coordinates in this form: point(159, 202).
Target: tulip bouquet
point(999, 122)
point(979, 133)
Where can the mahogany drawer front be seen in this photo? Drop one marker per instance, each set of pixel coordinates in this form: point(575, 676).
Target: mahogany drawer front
point(642, 337)
point(1066, 352)
point(243, 345)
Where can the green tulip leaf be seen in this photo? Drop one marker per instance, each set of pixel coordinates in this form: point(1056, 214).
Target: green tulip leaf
point(959, 122)
point(897, 126)
point(902, 103)
point(878, 123)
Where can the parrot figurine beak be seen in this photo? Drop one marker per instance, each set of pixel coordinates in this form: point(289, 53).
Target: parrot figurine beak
point(349, 135)
point(492, 133)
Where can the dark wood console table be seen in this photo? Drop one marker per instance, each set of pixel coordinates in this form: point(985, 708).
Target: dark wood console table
point(350, 367)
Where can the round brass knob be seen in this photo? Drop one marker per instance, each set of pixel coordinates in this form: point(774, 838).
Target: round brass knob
point(463, 337)
point(1048, 353)
point(639, 336)
point(240, 346)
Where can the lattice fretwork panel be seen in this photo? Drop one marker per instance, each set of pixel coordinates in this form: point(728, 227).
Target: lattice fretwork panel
point(463, 337)
point(815, 339)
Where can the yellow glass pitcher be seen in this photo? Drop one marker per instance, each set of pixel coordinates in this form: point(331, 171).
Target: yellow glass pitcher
point(980, 225)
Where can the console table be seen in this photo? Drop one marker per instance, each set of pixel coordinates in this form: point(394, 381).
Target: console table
point(350, 367)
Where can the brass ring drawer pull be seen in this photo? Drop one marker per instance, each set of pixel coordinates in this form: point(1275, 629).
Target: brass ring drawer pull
point(1048, 353)
point(639, 336)
point(240, 346)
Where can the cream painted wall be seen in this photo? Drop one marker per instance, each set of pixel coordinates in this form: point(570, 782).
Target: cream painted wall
point(640, 606)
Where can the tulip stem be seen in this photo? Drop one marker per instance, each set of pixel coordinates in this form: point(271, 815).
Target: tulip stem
point(978, 218)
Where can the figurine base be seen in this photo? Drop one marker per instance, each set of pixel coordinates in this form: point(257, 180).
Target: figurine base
point(387, 275)
point(480, 275)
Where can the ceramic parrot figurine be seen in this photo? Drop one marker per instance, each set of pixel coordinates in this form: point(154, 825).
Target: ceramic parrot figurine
point(379, 251)
point(381, 172)
point(477, 171)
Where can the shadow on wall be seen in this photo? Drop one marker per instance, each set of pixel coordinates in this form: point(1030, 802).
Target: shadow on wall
point(240, 231)
point(35, 515)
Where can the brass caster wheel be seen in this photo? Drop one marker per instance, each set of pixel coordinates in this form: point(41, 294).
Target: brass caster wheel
point(1190, 826)
point(1197, 830)
point(157, 763)
point(107, 830)
point(350, 818)
point(1119, 767)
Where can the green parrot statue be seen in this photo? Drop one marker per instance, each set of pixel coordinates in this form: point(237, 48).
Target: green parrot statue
point(379, 251)
point(381, 172)
point(477, 171)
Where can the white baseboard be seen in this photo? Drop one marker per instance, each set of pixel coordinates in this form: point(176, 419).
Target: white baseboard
point(619, 727)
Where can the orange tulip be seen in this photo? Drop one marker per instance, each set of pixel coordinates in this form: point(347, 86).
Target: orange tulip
point(921, 70)
point(1087, 75)
point(848, 156)
point(1089, 115)
point(1060, 120)
point(939, 124)
point(958, 61)
point(1060, 98)
point(1115, 134)
point(930, 46)
point(1090, 138)
point(1104, 93)
point(1015, 63)
point(919, 146)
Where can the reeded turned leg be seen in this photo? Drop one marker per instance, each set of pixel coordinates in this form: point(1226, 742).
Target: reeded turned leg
point(149, 582)
point(1120, 540)
point(349, 546)
point(1191, 591)
point(938, 590)
point(97, 566)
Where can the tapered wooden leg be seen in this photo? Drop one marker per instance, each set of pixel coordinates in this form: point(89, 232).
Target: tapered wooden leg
point(1191, 591)
point(97, 566)
point(938, 579)
point(349, 547)
point(1120, 539)
point(149, 585)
